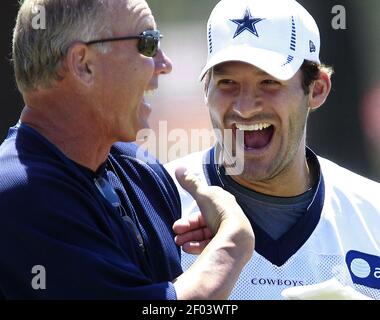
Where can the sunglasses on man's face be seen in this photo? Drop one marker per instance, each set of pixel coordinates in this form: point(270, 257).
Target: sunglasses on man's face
point(148, 44)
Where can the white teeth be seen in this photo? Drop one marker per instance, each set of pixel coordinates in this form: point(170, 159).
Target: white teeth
point(252, 127)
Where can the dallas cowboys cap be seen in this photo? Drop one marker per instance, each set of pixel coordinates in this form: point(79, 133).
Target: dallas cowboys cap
point(273, 35)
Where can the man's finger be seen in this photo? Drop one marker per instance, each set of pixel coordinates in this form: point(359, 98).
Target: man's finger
point(181, 226)
point(191, 222)
point(195, 235)
point(189, 182)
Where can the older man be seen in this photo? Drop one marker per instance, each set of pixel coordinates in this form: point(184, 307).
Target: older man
point(313, 220)
point(81, 217)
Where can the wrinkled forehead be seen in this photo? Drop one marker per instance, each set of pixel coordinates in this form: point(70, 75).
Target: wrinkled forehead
point(131, 15)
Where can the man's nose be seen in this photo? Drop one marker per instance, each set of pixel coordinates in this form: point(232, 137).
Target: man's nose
point(163, 64)
point(248, 103)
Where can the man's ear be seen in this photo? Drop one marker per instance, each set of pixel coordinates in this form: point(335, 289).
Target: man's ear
point(205, 93)
point(79, 63)
point(206, 84)
point(319, 90)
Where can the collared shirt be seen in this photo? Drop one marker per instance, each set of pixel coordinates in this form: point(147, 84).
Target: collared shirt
point(53, 216)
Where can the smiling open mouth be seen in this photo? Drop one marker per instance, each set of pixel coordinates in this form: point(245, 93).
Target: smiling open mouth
point(256, 136)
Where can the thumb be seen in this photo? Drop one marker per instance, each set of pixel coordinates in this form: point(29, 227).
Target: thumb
point(189, 182)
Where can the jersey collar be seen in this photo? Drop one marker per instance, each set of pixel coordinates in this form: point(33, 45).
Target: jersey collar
point(280, 250)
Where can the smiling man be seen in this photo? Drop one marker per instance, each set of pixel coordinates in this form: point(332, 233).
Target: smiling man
point(313, 219)
point(81, 217)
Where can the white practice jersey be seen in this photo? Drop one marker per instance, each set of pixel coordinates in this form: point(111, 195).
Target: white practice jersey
point(342, 237)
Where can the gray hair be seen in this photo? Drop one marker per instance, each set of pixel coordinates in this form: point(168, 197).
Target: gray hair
point(38, 53)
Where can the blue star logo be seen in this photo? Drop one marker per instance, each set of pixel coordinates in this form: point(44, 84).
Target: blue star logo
point(247, 23)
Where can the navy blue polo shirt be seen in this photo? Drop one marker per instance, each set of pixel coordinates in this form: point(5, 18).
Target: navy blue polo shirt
point(53, 215)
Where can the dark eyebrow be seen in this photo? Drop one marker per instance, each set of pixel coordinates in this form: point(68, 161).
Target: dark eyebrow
point(219, 70)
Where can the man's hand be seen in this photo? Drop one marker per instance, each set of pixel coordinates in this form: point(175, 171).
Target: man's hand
point(328, 290)
point(216, 270)
point(192, 233)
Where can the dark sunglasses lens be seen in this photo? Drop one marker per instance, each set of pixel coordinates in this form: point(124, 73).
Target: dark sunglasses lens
point(148, 43)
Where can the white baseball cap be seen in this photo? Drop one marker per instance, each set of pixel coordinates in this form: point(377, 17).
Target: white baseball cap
point(273, 35)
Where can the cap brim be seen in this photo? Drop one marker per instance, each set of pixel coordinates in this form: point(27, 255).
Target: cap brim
point(274, 63)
